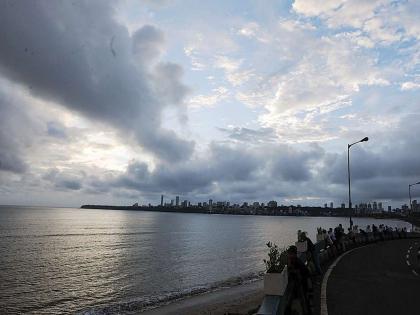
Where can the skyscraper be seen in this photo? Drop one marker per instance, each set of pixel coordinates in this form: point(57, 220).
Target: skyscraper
point(177, 201)
point(161, 200)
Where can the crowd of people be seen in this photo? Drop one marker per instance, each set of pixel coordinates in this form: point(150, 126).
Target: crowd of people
point(336, 237)
point(335, 242)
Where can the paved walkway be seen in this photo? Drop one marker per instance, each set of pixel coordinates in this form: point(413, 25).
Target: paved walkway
point(381, 278)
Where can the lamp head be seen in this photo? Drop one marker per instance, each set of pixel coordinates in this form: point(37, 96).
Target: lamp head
point(364, 139)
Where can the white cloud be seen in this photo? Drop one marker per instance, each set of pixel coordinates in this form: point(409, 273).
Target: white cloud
point(410, 86)
point(196, 64)
point(233, 72)
point(314, 7)
point(218, 94)
point(383, 21)
point(249, 30)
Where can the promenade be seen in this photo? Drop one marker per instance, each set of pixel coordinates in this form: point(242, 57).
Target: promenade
point(380, 278)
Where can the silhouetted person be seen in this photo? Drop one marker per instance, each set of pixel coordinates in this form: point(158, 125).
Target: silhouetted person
point(298, 275)
point(313, 252)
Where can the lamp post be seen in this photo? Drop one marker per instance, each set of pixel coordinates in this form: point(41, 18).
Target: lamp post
point(409, 194)
point(348, 172)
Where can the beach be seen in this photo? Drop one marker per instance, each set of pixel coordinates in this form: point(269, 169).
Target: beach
point(242, 299)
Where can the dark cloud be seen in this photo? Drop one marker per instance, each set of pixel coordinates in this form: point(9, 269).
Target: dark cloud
point(14, 125)
point(77, 55)
point(148, 43)
point(383, 167)
point(231, 171)
point(293, 165)
point(54, 129)
point(64, 181)
point(10, 161)
point(264, 171)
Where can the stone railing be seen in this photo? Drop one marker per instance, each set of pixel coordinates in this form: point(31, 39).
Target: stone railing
point(278, 295)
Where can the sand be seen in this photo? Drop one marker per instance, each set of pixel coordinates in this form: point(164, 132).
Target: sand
point(242, 299)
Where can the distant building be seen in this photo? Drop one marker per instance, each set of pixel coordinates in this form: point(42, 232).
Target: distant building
point(199, 204)
point(136, 204)
point(161, 200)
point(256, 204)
point(331, 205)
point(177, 201)
point(172, 202)
point(389, 208)
point(415, 205)
point(325, 205)
point(272, 204)
point(343, 205)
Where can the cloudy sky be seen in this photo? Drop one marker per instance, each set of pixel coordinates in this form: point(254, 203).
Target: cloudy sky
point(119, 102)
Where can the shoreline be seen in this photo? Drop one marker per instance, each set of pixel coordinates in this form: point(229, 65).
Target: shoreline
point(240, 299)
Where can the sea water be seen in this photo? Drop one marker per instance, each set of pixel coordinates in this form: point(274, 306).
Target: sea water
point(61, 260)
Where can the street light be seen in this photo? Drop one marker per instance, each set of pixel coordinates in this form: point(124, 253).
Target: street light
point(409, 194)
point(348, 170)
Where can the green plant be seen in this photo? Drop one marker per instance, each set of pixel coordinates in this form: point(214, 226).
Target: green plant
point(277, 259)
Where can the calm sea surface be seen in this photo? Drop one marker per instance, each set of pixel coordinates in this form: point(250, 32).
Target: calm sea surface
point(105, 261)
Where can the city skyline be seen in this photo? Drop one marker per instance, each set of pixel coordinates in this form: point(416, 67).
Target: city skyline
point(117, 101)
point(369, 206)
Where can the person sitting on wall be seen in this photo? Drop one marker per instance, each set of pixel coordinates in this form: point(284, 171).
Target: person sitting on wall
point(364, 234)
point(375, 232)
point(334, 241)
point(351, 235)
point(312, 252)
point(327, 239)
point(339, 238)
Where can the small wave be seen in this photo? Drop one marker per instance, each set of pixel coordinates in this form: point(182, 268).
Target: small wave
point(149, 302)
point(72, 234)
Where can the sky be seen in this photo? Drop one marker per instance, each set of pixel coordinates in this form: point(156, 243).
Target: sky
point(117, 102)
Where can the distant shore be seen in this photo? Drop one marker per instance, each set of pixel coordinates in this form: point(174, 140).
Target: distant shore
point(277, 211)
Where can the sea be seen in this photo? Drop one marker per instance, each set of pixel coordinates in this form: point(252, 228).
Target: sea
point(82, 261)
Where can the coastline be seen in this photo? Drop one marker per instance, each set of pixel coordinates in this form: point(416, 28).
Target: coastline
point(282, 211)
point(241, 299)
